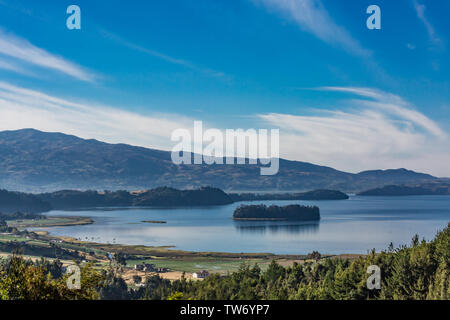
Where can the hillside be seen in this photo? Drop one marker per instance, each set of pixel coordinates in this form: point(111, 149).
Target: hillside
point(36, 161)
point(155, 197)
point(310, 195)
point(12, 202)
point(413, 190)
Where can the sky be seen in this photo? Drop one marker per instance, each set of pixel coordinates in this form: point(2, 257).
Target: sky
point(341, 94)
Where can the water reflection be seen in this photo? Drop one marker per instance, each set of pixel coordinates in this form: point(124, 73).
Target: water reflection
point(273, 227)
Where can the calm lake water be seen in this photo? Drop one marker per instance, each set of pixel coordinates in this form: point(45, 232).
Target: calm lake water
point(346, 226)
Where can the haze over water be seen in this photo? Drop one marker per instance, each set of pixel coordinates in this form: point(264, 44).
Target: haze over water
point(346, 226)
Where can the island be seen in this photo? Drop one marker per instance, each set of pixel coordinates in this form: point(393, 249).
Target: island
point(320, 194)
point(405, 190)
point(154, 221)
point(276, 213)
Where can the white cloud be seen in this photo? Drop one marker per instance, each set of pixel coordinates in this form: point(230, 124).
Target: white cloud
point(420, 11)
point(10, 66)
point(21, 49)
point(24, 108)
point(162, 56)
point(392, 104)
point(312, 16)
point(380, 131)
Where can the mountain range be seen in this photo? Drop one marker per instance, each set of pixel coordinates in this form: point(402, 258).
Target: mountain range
point(36, 161)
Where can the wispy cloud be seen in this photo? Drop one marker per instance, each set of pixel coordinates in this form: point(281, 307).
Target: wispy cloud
point(378, 130)
point(15, 6)
point(21, 49)
point(162, 56)
point(393, 105)
point(312, 16)
point(420, 11)
point(375, 130)
point(10, 66)
point(25, 108)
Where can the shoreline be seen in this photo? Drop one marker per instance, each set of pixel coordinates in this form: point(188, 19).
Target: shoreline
point(166, 250)
point(154, 221)
point(50, 221)
point(272, 219)
point(171, 251)
point(39, 243)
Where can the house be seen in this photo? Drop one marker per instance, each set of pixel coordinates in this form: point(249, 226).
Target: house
point(147, 267)
point(200, 275)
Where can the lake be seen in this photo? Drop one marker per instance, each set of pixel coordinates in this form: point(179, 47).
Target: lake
point(346, 226)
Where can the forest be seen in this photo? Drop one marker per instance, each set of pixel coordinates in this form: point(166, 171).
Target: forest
point(11, 202)
point(273, 212)
point(416, 272)
point(320, 194)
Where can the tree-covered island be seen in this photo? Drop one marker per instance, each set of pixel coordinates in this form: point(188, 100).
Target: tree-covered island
point(273, 212)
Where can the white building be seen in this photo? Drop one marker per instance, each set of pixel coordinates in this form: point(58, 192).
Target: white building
point(200, 275)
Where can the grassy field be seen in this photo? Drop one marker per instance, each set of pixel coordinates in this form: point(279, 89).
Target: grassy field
point(174, 260)
point(49, 222)
point(5, 237)
point(193, 265)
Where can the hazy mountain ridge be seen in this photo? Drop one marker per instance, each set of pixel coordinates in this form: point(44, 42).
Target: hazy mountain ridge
point(36, 161)
point(437, 188)
point(13, 201)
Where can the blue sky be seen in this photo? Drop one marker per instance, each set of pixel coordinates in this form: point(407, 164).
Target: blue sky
point(341, 94)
